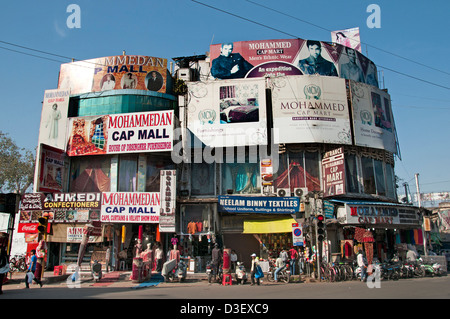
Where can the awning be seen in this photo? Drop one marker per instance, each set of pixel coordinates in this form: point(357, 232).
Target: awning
point(268, 226)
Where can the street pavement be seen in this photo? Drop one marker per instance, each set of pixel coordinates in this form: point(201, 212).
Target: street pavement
point(117, 285)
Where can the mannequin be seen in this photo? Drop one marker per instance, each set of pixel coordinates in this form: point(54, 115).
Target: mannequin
point(175, 254)
point(138, 248)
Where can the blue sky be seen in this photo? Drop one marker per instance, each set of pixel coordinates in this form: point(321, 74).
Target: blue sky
point(414, 30)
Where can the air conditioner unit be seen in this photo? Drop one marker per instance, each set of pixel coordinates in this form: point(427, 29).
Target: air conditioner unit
point(300, 192)
point(283, 192)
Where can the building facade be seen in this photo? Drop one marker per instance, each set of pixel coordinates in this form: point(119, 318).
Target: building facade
point(265, 136)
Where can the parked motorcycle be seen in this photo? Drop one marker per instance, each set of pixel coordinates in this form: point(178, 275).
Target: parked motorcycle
point(181, 271)
point(428, 269)
point(97, 270)
point(210, 271)
point(438, 269)
point(241, 275)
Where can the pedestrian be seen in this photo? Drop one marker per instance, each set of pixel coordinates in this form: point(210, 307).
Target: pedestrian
point(293, 254)
point(31, 269)
point(362, 263)
point(216, 259)
point(233, 259)
point(255, 264)
point(301, 260)
point(4, 267)
point(280, 264)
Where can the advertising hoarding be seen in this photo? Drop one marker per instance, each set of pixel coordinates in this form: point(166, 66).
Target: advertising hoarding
point(373, 121)
point(228, 113)
point(55, 106)
point(310, 109)
point(283, 57)
point(348, 37)
point(333, 172)
point(115, 73)
point(51, 162)
point(121, 133)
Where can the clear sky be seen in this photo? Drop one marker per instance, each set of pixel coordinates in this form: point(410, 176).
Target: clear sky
point(411, 47)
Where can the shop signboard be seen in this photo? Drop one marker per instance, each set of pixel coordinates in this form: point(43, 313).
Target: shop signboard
point(333, 172)
point(121, 72)
point(297, 234)
point(138, 132)
point(260, 205)
point(287, 57)
point(60, 207)
point(228, 113)
point(364, 213)
point(310, 109)
point(75, 235)
point(168, 185)
point(130, 207)
point(373, 120)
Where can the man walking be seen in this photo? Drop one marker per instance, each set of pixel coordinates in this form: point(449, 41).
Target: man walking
point(32, 269)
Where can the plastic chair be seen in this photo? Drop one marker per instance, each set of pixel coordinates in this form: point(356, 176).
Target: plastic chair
point(227, 280)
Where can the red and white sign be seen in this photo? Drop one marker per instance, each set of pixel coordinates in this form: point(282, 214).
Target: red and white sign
point(28, 228)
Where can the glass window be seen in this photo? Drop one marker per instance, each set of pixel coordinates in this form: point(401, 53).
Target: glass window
point(390, 181)
point(368, 175)
point(202, 179)
point(351, 174)
point(379, 176)
point(90, 174)
point(155, 164)
point(128, 173)
point(240, 178)
point(312, 171)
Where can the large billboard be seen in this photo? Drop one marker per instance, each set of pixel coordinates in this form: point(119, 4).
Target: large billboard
point(115, 73)
point(228, 113)
point(373, 121)
point(310, 109)
point(290, 57)
point(121, 133)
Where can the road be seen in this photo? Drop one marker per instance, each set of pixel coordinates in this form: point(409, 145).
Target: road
point(417, 288)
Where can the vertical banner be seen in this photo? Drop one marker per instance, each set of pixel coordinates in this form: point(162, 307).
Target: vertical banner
point(297, 234)
point(168, 186)
point(53, 125)
point(266, 171)
point(51, 168)
point(333, 174)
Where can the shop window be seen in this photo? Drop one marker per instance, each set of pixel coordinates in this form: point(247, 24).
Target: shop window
point(196, 219)
point(240, 178)
point(312, 171)
point(154, 166)
point(90, 174)
point(379, 178)
point(390, 181)
point(368, 175)
point(128, 165)
point(300, 169)
point(351, 174)
point(202, 179)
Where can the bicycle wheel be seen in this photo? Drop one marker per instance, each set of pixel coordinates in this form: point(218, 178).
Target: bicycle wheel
point(270, 277)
